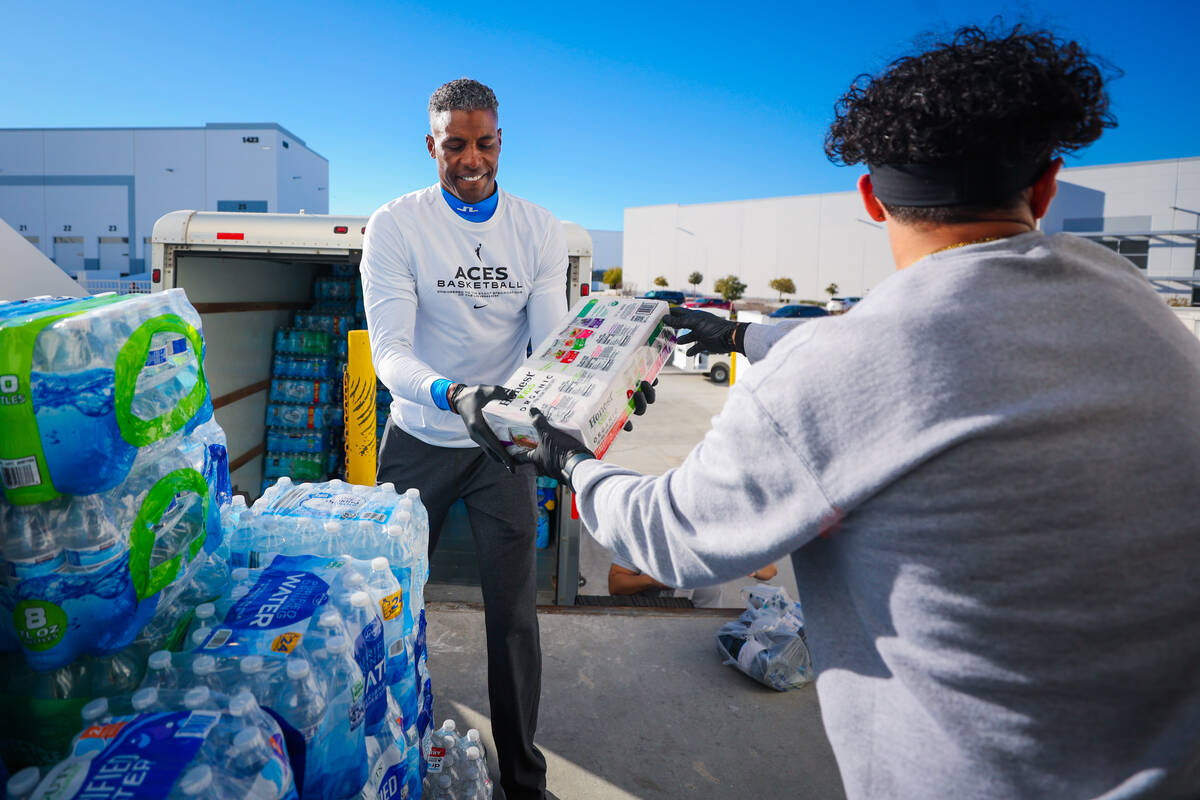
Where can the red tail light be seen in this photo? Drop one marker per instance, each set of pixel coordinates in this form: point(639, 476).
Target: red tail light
point(340, 229)
point(156, 276)
point(239, 236)
point(584, 290)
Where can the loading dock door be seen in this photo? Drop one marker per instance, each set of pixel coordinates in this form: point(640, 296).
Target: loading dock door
point(68, 253)
point(114, 253)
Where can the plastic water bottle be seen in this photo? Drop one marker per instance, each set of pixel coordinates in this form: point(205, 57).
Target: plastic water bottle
point(367, 540)
point(344, 718)
point(199, 697)
point(94, 712)
point(333, 542)
point(254, 676)
point(473, 741)
point(196, 782)
point(302, 703)
point(115, 674)
point(22, 784)
point(202, 623)
point(443, 788)
point(91, 538)
point(144, 700)
point(29, 547)
point(241, 542)
point(447, 736)
point(472, 777)
point(160, 671)
point(251, 765)
point(204, 669)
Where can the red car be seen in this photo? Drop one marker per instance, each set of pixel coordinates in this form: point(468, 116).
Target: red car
point(708, 302)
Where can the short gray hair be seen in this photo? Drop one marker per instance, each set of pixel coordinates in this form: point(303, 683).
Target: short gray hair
point(463, 94)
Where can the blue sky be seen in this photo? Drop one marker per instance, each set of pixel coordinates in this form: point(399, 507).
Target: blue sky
point(603, 106)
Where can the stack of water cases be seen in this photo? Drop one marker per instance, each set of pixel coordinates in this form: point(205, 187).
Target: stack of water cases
point(304, 417)
point(327, 614)
point(115, 479)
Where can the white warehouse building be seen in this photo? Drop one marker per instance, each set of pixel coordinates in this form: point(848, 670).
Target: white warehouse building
point(88, 197)
point(1148, 211)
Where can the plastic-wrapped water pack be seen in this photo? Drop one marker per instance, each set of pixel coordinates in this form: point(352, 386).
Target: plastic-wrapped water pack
point(86, 384)
point(172, 743)
point(767, 641)
point(293, 608)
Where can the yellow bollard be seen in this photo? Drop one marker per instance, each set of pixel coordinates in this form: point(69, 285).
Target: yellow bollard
point(358, 398)
point(732, 354)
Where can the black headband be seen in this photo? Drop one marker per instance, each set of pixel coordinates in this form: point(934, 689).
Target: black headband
point(925, 185)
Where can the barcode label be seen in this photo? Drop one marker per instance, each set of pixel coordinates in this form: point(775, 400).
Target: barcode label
point(219, 638)
point(645, 309)
point(198, 724)
point(17, 473)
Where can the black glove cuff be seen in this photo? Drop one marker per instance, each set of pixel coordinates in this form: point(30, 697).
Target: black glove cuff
point(738, 337)
point(572, 461)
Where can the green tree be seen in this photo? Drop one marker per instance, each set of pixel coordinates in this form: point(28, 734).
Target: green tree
point(694, 279)
point(730, 287)
point(661, 280)
point(613, 277)
point(831, 289)
point(783, 286)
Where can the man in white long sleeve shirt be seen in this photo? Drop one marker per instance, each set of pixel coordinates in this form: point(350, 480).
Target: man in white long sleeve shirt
point(457, 278)
point(982, 472)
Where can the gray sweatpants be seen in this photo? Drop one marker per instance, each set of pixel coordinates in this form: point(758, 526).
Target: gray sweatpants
point(502, 510)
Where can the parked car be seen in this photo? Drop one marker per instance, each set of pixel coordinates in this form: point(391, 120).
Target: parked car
point(674, 298)
point(798, 311)
point(839, 305)
point(708, 302)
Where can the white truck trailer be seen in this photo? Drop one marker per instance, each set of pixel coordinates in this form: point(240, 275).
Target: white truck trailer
point(247, 273)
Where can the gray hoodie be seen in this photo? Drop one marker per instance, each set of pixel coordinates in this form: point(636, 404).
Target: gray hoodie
point(985, 475)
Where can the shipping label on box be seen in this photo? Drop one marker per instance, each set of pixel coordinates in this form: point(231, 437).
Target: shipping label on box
point(584, 376)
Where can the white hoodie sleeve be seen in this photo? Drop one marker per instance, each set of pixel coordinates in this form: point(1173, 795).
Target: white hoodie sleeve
point(390, 300)
point(547, 304)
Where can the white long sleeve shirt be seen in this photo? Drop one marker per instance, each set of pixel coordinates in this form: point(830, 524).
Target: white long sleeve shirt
point(449, 298)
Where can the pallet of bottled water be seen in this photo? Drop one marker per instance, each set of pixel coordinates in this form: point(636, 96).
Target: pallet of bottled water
point(169, 743)
point(457, 765)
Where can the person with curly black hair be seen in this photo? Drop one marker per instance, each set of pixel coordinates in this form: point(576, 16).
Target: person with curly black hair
point(980, 471)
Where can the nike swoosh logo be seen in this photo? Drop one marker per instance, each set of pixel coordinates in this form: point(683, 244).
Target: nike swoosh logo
point(482, 306)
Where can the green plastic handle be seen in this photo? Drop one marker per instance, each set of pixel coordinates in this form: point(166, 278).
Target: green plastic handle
point(132, 359)
point(147, 581)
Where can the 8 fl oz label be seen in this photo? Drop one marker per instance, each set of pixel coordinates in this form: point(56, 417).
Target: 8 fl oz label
point(40, 625)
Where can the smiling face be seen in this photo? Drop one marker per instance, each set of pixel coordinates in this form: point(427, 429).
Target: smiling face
point(466, 145)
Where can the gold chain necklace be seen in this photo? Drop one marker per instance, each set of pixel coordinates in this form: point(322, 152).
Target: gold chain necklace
point(964, 244)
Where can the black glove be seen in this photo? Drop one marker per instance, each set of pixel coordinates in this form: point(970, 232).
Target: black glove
point(468, 403)
point(709, 332)
point(643, 397)
point(557, 452)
